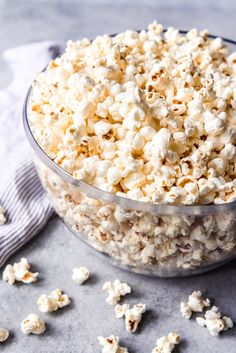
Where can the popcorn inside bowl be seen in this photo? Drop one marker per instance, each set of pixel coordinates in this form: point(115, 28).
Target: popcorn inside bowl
point(166, 245)
point(149, 116)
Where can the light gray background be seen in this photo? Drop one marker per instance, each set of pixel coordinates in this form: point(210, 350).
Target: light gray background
point(55, 251)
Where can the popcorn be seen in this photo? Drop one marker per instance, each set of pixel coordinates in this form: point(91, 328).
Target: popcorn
point(214, 125)
point(185, 310)
point(120, 310)
point(214, 322)
point(47, 304)
point(133, 180)
point(111, 345)
point(33, 324)
point(173, 240)
point(228, 152)
point(101, 128)
point(80, 275)
point(147, 132)
point(4, 334)
point(161, 142)
point(56, 300)
point(138, 142)
point(156, 129)
point(113, 98)
point(166, 344)
point(9, 274)
point(62, 299)
point(113, 175)
point(2, 215)
point(19, 272)
point(196, 303)
point(115, 291)
point(133, 316)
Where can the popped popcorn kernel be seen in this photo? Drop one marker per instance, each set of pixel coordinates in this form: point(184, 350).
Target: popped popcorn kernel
point(2, 215)
point(52, 302)
point(19, 272)
point(33, 324)
point(9, 274)
point(132, 315)
point(115, 291)
point(214, 321)
point(80, 274)
point(111, 345)
point(120, 310)
point(4, 334)
point(47, 304)
point(62, 299)
point(166, 344)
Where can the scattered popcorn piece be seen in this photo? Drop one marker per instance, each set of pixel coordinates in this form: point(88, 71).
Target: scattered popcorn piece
point(19, 272)
point(47, 304)
point(120, 310)
point(4, 334)
point(111, 345)
point(62, 299)
point(185, 310)
point(214, 322)
point(196, 303)
point(9, 274)
point(2, 215)
point(22, 272)
point(33, 324)
point(115, 290)
point(166, 344)
point(80, 275)
point(56, 300)
point(133, 317)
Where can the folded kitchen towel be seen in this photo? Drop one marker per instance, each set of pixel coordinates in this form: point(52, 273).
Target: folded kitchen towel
point(21, 195)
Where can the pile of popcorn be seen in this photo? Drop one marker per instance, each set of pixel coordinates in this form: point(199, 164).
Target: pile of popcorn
point(149, 116)
point(145, 242)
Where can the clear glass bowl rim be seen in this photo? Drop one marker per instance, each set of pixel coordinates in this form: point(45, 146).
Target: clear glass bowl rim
point(95, 193)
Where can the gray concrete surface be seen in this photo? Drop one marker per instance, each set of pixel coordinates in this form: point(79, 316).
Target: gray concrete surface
point(56, 251)
point(75, 329)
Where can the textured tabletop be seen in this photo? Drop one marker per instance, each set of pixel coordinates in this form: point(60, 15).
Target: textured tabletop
point(56, 251)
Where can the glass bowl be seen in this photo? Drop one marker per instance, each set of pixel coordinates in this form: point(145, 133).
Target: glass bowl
point(154, 239)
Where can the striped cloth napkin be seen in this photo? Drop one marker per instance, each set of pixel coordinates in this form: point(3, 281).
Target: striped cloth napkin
point(21, 195)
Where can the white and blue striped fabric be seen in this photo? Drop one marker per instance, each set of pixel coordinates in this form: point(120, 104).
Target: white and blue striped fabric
point(21, 194)
point(27, 209)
